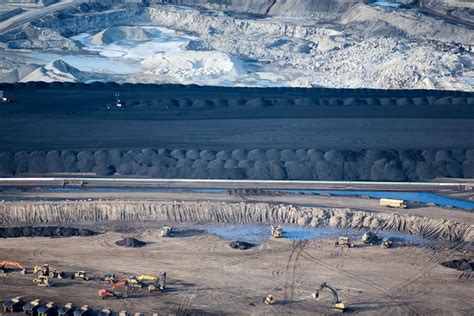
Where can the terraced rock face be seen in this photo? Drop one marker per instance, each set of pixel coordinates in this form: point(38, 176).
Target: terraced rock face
point(238, 213)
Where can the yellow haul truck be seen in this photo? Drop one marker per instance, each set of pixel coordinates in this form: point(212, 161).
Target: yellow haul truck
point(393, 203)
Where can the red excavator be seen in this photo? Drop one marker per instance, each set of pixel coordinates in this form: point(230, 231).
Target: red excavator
point(14, 264)
point(111, 292)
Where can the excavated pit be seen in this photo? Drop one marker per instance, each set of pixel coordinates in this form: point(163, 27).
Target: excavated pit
point(130, 242)
point(47, 231)
point(236, 213)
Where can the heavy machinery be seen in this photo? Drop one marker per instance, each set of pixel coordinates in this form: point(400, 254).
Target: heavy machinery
point(344, 241)
point(109, 278)
point(4, 99)
point(337, 304)
point(83, 311)
point(66, 310)
point(277, 231)
point(46, 270)
point(393, 203)
point(47, 309)
point(166, 230)
point(13, 305)
point(118, 103)
point(112, 291)
point(369, 238)
point(81, 275)
point(386, 243)
point(269, 300)
point(105, 312)
point(31, 308)
point(42, 280)
point(140, 281)
point(14, 264)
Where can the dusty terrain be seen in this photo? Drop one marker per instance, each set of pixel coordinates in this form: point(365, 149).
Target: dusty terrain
point(263, 43)
point(206, 276)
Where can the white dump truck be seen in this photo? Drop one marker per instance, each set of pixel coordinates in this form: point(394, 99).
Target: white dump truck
point(393, 203)
point(3, 98)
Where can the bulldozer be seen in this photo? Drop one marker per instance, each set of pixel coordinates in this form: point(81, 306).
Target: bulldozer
point(81, 275)
point(344, 241)
point(369, 238)
point(13, 305)
point(46, 270)
point(166, 230)
point(112, 291)
point(42, 280)
point(277, 231)
point(31, 308)
point(337, 304)
point(14, 264)
point(386, 243)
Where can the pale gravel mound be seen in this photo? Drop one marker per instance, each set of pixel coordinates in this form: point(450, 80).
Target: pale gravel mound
point(57, 70)
point(193, 66)
point(121, 33)
point(237, 213)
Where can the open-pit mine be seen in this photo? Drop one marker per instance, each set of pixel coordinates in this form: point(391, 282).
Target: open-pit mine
point(187, 157)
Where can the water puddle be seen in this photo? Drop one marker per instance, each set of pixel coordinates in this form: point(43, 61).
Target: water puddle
point(257, 234)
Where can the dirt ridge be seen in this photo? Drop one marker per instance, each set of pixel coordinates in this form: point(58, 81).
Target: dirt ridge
point(238, 213)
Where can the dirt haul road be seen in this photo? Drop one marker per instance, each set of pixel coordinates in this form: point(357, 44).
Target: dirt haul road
point(206, 276)
point(35, 13)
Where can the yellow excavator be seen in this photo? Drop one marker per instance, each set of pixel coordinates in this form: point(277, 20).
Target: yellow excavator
point(338, 305)
point(144, 280)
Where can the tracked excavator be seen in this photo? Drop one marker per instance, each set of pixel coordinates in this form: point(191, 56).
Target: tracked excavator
point(338, 305)
point(112, 291)
point(14, 264)
point(140, 281)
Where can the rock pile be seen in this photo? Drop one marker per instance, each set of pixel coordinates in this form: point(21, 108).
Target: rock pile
point(301, 164)
point(130, 242)
point(46, 231)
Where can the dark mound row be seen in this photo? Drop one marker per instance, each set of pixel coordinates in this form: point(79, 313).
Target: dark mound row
point(355, 93)
point(174, 104)
point(49, 231)
point(300, 164)
point(242, 245)
point(130, 242)
point(461, 265)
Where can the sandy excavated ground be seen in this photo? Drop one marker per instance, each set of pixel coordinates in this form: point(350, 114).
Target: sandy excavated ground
point(207, 276)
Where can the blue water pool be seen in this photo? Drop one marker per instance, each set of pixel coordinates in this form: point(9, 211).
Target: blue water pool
point(421, 197)
point(257, 233)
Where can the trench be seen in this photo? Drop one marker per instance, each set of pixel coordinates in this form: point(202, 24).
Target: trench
point(69, 212)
